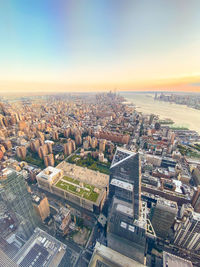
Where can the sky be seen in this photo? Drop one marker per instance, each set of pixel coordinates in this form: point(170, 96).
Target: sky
point(97, 45)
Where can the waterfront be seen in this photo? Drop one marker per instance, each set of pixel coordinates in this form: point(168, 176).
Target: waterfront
point(180, 114)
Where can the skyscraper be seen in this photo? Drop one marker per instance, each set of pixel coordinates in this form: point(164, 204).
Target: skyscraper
point(125, 179)
point(164, 215)
point(127, 223)
point(14, 193)
point(188, 232)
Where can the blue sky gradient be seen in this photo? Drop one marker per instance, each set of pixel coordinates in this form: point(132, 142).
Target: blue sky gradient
point(100, 43)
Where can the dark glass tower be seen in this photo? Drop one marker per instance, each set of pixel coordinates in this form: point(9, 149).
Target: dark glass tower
point(14, 193)
point(125, 179)
point(126, 228)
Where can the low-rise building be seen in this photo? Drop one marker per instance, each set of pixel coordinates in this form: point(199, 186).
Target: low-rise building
point(62, 220)
point(82, 186)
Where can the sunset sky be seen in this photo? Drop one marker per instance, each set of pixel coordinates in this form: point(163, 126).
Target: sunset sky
point(90, 45)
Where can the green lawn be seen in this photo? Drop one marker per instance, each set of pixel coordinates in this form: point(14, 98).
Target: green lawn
point(90, 195)
point(90, 163)
point(187, 151)
point(179, 128)
point(35, 160)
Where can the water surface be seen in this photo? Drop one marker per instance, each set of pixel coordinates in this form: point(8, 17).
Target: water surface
point(180, 114)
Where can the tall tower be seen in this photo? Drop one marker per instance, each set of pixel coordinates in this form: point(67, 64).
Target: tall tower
point(126, 228)
point(125, 179)
point(187, 234)
point(14, 193)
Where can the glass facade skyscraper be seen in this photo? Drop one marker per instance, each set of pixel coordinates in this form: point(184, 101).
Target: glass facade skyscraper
point(14, 194)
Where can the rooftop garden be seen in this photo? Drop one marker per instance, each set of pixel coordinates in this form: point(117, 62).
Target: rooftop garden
point(78, 188)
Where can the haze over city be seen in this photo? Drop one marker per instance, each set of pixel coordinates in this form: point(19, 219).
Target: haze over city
point(99, 133)
point(99, 45)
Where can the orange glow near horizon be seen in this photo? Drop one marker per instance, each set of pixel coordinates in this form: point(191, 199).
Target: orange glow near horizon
point(62, 46)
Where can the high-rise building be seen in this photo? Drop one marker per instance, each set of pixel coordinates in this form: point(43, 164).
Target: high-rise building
point(7, 144)
point(42, 151)
point(196, 200)
point(94, 142)
point(49, 148)
point(40, 135)
point(187, 234)
point(67, 132)
point(124, 234)
point(89, 139)
point(68, 148)
point(125, 178)
point(78, 139)
point(73, 145)
point(163, 217)
point(49, 160)
point(35, 144)
point(41, 206)
point(21, 152)
point(102, 145)
point(14, 193)
point(127, 221)
point(55, 136)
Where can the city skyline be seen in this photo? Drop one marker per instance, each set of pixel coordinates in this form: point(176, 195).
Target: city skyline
point(88, 46)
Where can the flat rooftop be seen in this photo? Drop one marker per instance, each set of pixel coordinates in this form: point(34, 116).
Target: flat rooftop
point(48, 173)
point(196, 215)
point(40, 250)
point(76, 187)
point(37, 199)
point(84, 174)
point(122, 184)
point(170, 260)
point(167, 203)
point(125, 209)
point(5, 173)
point(111, 258)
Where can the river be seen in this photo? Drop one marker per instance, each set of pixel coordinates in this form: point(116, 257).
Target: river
point(180, 114)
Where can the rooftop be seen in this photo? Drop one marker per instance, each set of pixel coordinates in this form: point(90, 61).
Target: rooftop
point(111, 258)
point(48, 173)
point(84, 174)
point(40, 250)
point(79, 188)
point(124, 209)
point(167, 203)
point(5, 172)
point(122, 184)
point(37, 199)
point(170, 260)
point(196, 215)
